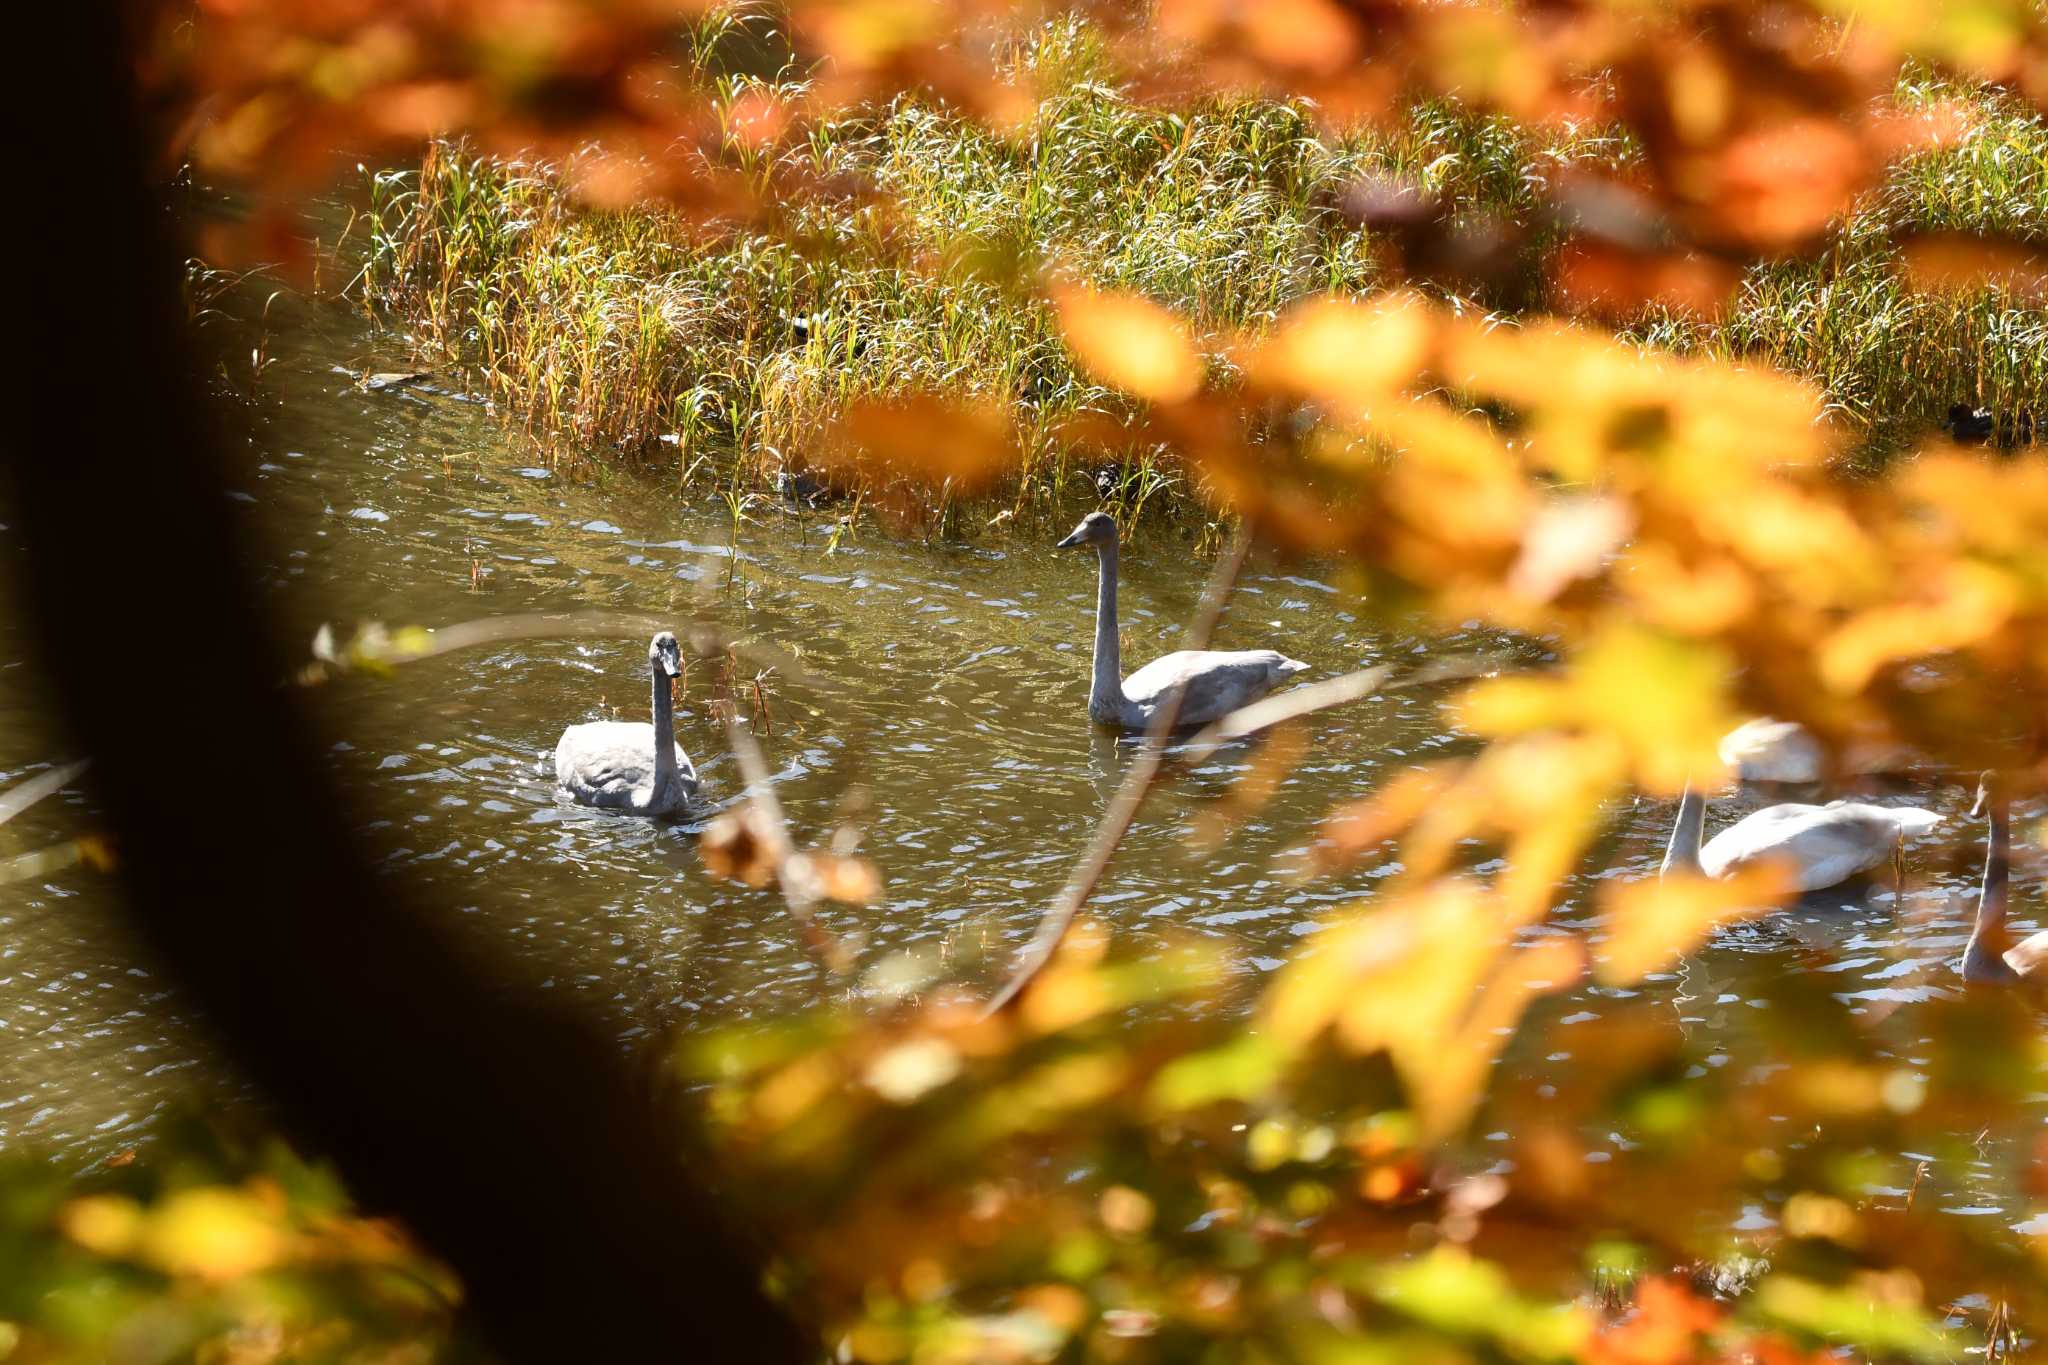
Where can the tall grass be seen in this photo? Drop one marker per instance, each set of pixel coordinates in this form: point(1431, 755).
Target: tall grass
point(637, 331)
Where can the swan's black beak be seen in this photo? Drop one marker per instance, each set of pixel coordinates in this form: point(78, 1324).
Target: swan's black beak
point(1073, 539)
point(671, 666)
point(1983, 800)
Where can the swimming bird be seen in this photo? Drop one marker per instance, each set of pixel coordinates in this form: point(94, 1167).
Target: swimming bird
point(1766, 750)
point(1217, 682)
point(1825, 845)
point(1991, 957)
point(1976, 426)
point(630, 765)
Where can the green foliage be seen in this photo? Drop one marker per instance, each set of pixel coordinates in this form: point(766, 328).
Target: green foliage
point(210, 1247)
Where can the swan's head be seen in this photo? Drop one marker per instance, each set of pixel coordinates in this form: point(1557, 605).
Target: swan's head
point(1097, 528)
point(666, 655)
point(1987, 791)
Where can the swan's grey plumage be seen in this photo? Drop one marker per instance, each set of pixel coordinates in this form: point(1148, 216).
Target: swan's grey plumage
point(1217, 682)
point(1991, 957)
point(632, 766)
point(1825, 845)
point(1766, 750)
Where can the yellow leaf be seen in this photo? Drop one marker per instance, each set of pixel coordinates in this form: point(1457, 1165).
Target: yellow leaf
point(105, 1224)
point(1344, 352)
point(1651, 924)
point(1569, 538)
point(1973, 601)
point(213, 1233)
point(922, 437)
point(1130, 343)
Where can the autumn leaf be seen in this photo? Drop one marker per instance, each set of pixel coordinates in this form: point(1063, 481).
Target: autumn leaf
point(1651, 924)
point(1568, 539)
point(737, 845)
point(929, 439)
point(1344, 352)
point(1937, 262)
point(1130, 343)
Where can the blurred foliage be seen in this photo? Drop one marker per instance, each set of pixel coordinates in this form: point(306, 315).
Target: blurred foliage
point(1131, 1162)
point(214, 1247)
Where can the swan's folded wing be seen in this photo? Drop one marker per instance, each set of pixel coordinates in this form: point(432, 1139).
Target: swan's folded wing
point(605, 758)
point(2026, 956)
point(1217, 681)
point(1826, 844)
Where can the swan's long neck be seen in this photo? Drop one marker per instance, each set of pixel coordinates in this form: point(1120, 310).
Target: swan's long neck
point(1984, 958)
point(1683, 853)
point(664, 729)
point(1106, 694)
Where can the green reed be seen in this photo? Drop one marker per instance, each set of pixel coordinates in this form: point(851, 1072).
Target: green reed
point(639, 333)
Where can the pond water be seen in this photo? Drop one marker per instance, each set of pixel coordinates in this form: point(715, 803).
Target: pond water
point(942, 715)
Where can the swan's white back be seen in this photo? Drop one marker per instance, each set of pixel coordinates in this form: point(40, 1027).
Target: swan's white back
point(1766, 750)
point(1218, 681)
point(1824, 844)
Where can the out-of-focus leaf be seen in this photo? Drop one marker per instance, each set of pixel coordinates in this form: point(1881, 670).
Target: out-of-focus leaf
point(1614, 282)
point(1969, 602)
point(1569, 539)
point(738, 845)
point(1652, 924)
point(1130, 343)
point(1874, 1315)
point(1345, 353)
point(835, 876)
point(213, 1233)
point(922, 437)
point(1242, 1069)
point(1937, 262)
point(911, 1069)
point(1462, 1296)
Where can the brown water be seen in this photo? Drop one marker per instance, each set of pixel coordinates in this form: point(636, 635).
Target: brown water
point(944, 716)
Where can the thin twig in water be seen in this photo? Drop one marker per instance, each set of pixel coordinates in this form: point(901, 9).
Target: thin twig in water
point(26, 794)
point(797, 892)
point(1137, 784)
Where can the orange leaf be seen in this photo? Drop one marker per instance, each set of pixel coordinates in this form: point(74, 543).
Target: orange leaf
point(1130, 343)
point(922, 437)
point(1651, 924)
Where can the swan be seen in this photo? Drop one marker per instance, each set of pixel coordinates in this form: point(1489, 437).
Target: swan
point(1991, 957)
point(1217, 681)
point(630, 765)
point(1766, 750)
point(1825, 845)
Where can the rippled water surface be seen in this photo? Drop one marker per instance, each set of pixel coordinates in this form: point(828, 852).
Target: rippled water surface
point(942, 714)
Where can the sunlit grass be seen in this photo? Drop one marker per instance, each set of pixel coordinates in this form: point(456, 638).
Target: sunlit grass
point(635, 331)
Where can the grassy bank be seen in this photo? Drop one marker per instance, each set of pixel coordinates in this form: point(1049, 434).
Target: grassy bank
point(629, 331)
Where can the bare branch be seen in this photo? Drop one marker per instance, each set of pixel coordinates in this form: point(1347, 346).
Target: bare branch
point(26, 794)
point(376, 646)
point(1268, 712)
point(1137, 784)
point(798, 885)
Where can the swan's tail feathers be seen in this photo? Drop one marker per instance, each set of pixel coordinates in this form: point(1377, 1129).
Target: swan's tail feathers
point(1913, 820)
point(1287, 667)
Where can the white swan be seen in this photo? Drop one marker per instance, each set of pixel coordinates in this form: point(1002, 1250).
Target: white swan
point(1825, 845)
point(631, 765)
point(1766, 750)
point(1217, 681)
point(1991, 957)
